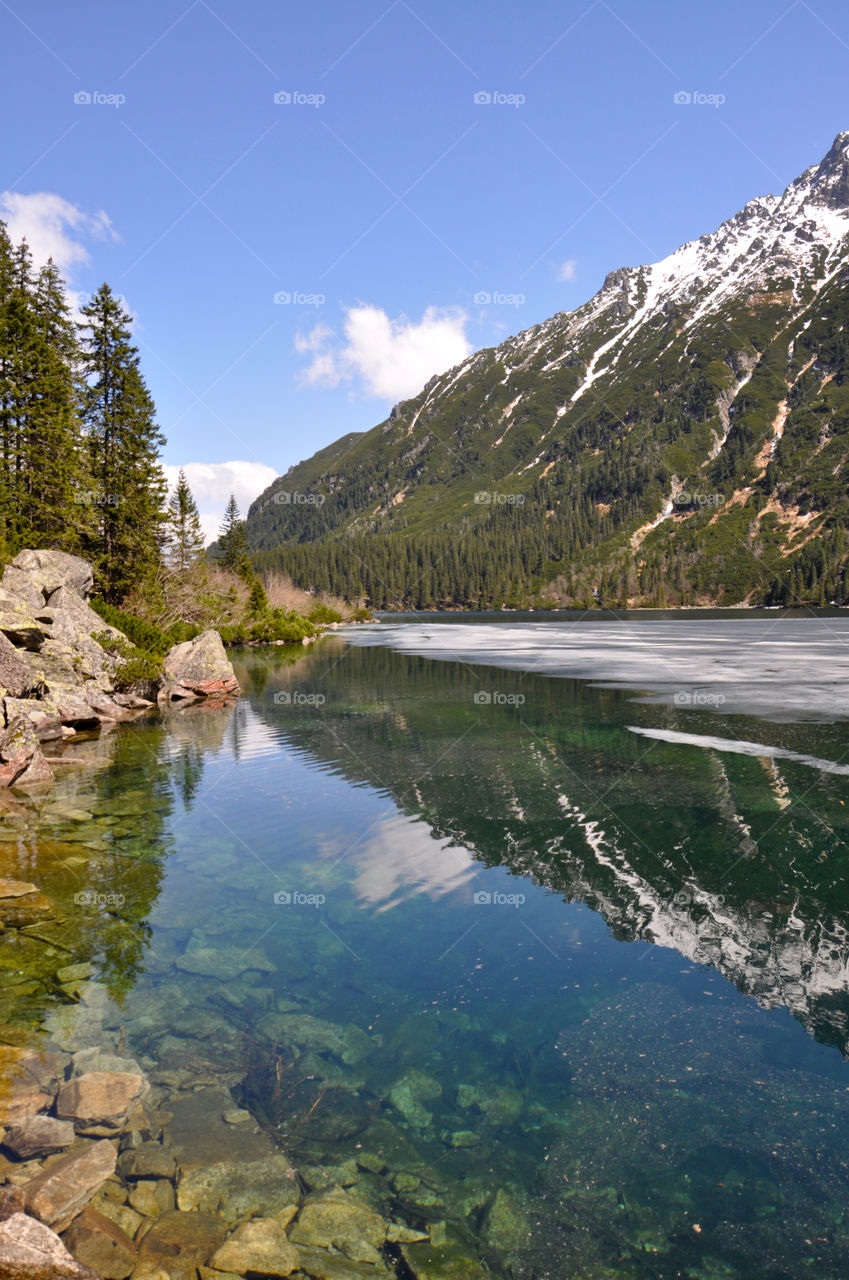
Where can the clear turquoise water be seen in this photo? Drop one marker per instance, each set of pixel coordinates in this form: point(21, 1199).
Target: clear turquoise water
point(603, 972)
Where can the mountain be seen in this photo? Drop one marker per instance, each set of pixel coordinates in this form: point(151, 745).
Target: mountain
point(682, 437)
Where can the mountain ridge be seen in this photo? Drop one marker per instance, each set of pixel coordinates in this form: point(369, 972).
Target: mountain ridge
point(692, 413)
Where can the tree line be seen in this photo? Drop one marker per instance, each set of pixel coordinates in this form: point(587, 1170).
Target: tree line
point(80, 448)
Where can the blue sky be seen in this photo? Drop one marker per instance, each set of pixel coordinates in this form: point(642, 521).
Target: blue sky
point(429, 154)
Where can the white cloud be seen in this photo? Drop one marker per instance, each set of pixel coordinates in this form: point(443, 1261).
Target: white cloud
point(388, 359)
point(212, 483)
point(53, 228)
point(566, 271)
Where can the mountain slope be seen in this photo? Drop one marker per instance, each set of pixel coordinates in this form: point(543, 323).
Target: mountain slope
point(682, 437)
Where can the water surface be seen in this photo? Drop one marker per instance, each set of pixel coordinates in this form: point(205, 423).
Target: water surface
point(571, 942)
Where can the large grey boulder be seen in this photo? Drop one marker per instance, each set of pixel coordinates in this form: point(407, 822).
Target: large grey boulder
point(198, 668)
point(31, 1251)
point(35, 575)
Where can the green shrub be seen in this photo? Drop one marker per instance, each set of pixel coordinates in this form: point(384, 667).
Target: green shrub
point(322, 614)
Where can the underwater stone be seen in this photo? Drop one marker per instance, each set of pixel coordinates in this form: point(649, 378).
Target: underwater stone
point(99, 1243)
point(261, 1246)
point(342, 1221)
point(38, 1135)
point(237, 1190)
point(179, 1243)
point(63, 1190)
point(100, 1100)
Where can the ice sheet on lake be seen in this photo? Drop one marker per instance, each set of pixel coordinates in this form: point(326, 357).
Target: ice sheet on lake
point(740, 748)
point(775, 668)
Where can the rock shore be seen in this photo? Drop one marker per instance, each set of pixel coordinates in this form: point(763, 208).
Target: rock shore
point(56, 676)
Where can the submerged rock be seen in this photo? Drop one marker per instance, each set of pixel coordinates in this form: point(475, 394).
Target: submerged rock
point(237, 1190)
point(346, 1223)
point(100, 1101)
point(258, 1246)
point(178, 1243)
point(38, 1135)
point(63, 1190)
point(100, 1243)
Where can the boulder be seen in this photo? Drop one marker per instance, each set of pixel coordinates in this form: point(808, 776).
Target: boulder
point(21, 759)
point(16, 678)
point(31, 1251)
point(100, 1101)
point(99, 1243)
point(38, 1135)
point(61, 1192)
point(198, 668)
point(44, 572)
point(259, 1245)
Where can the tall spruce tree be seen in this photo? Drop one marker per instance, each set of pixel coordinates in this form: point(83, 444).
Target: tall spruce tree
point(53, 479)
point(183, 537)
point(123, 444)
point(232, 540)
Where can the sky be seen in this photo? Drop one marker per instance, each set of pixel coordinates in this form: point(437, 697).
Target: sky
point(309, 210)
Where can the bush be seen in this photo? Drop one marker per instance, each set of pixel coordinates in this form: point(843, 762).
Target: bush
point(137, 665)
point(322, 614)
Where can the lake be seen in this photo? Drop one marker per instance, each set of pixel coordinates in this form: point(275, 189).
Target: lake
point(532, 934)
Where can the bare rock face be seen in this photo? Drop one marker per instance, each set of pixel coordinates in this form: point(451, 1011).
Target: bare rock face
point(31, 1251)
point(100, 1101)
point(21, 759)
point(15, 675)
point(63, 1190)
point(198, 668)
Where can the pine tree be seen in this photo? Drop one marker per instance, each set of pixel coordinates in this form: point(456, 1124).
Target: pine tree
point(53, 482)
point(183, 537)
point(232, 541)
point(128, 486)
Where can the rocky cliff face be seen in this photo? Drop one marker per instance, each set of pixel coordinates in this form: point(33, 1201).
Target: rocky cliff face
point(58, 673)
